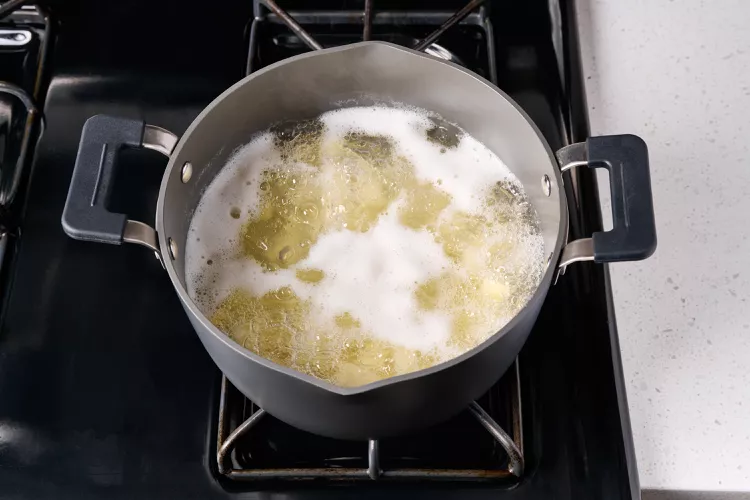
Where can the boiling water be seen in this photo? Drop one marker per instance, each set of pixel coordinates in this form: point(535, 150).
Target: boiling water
point(367, 243)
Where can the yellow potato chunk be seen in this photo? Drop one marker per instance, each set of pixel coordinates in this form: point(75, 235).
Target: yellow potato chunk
point(346, 320)
point(460, 232)
point(366, 178)
point(424, 202)
point(310, 275)
point(290, 220)
point(266, 325)
point(299, 140)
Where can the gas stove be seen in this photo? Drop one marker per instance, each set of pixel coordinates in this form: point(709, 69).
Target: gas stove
point(105, 389)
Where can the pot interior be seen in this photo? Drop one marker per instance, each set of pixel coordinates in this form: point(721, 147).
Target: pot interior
point(356, 75)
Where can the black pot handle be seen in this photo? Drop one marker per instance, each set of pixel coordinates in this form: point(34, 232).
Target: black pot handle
point(86, 215)
point(633, 236)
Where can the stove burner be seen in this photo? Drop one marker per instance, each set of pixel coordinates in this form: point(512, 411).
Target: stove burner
point(20, 131)
point(24, 43)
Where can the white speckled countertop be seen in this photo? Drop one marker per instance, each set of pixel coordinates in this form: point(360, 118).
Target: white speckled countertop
point(677, 73)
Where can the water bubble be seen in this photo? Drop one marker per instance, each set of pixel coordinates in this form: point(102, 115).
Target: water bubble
point(307, 212)
point(286, 254)
point(284, 294)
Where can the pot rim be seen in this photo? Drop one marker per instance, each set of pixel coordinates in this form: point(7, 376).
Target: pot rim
point(193, 309)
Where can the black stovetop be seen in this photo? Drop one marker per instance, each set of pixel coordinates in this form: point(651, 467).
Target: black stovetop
point(105, 390)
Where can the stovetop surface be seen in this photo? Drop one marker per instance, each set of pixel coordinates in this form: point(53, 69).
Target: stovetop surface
point(105, 390)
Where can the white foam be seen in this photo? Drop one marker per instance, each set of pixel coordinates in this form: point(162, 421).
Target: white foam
point(372, 275)
point(212, 230)
point(466, 171)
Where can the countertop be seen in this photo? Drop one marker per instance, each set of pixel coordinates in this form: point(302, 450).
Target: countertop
point(677, 73)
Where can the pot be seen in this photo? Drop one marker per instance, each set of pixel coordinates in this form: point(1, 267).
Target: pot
point(303, 87)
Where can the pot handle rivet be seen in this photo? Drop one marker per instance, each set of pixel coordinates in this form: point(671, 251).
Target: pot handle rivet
point(172, 248)
point(546, 185)
point(187, 172)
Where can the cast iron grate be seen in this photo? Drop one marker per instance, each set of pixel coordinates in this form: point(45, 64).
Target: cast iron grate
point(252, 445)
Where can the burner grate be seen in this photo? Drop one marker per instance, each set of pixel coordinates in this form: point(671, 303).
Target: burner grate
point(252, 445)
point(466, 36)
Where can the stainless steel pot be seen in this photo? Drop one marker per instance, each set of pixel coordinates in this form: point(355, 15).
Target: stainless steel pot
point(304, 87)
